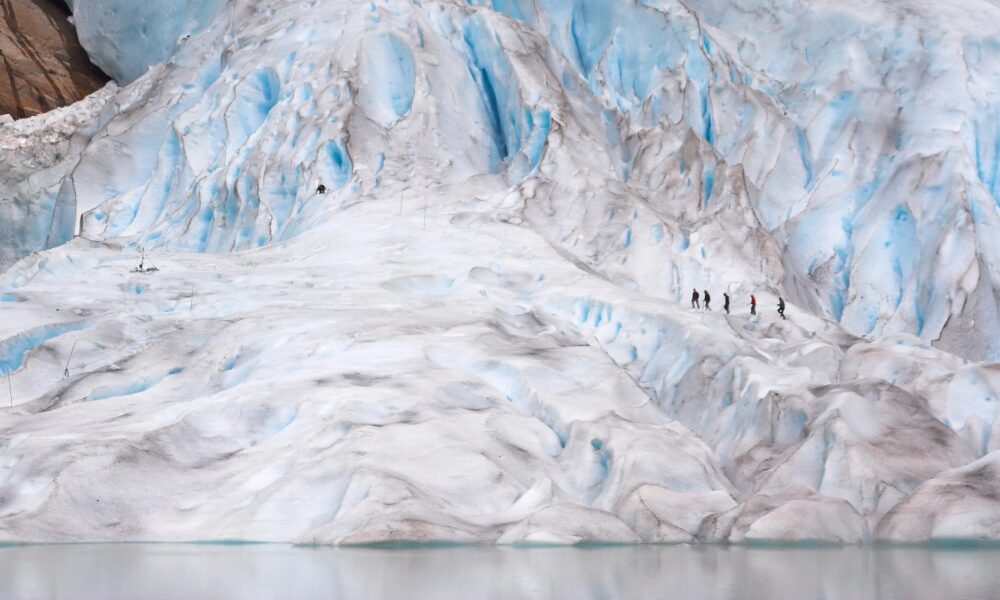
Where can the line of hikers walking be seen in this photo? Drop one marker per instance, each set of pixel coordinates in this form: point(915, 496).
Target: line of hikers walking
point(696, 302)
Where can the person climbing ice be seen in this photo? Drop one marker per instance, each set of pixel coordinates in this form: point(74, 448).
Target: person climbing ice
point(321, 189)
point(781, 307)
point(694, 299)
point(725, 302)
point(753, 304)
point(708, 300)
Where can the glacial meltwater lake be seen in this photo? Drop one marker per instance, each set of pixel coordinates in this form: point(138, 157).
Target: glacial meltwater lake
point(263, 571)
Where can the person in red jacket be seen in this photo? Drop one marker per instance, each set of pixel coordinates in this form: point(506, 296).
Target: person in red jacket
point(753, 304)
point(694, 300)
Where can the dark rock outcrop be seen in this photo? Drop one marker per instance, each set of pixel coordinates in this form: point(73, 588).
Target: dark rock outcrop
point(42, 64)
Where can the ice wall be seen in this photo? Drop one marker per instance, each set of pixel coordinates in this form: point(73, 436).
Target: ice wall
point(859, 131)
point(36, 154)
point(124, 38)
point(840, 140)
point(226, 148)
point(894, 104)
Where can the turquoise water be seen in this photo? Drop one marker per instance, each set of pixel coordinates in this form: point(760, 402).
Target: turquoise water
point(216, 572)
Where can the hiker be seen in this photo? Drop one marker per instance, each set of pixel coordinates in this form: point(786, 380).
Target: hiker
point(321, 189)
point(708, 300)
point(753, 304)
point(694, 299)
point(725, 304)
point(781, 307)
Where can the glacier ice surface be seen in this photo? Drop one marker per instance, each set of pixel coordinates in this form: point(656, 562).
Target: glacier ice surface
point(477, 333)
point(124, 38)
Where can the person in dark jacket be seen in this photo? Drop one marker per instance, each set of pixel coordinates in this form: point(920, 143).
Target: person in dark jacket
point(321, 189)
point(781, 307)
point(725, 304)
point(753, 304)
point(694, 299)
point(708, 300)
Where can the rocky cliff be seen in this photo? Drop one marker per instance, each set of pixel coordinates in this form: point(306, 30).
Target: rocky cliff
point(42, 65)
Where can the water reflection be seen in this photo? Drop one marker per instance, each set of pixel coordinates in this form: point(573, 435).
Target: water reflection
point(194, 572)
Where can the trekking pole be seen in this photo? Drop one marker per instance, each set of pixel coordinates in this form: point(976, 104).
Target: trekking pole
point(66, 370)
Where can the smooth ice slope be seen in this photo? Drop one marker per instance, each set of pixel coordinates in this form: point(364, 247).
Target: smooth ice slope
point(479, 332)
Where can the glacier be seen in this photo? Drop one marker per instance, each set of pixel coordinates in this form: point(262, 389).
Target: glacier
point(479, 331)
point(126, 38)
